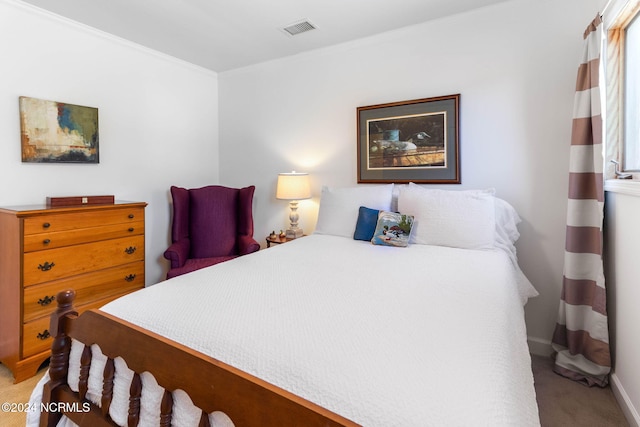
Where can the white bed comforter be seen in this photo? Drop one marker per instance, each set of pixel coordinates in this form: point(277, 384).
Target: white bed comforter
point(417, 336)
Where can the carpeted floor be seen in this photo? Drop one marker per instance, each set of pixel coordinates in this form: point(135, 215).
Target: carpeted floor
point(15, 394)
point(562, 403)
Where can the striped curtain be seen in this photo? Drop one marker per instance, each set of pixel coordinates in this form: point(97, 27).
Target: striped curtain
point(581, 337)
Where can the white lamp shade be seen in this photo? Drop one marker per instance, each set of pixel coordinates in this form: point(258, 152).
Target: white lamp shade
point(293, 186)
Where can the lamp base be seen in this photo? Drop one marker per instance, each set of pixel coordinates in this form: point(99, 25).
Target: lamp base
point(294, 233)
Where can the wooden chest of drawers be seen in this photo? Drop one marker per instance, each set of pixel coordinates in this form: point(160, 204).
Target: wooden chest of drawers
point(96, 250)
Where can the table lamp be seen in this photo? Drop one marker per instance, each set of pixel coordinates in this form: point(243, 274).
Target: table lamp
point(293, 186)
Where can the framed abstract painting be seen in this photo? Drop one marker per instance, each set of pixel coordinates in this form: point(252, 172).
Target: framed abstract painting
point(410, 141)
point(57, 132)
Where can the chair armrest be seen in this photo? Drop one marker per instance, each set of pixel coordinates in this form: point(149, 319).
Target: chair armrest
point(178, 253)
point(247, 244)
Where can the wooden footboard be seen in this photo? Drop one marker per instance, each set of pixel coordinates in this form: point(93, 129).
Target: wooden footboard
point(211, 384)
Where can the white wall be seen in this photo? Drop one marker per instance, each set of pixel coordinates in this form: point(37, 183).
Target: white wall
point(621, 268)
point(158, 117)
point(514, 65)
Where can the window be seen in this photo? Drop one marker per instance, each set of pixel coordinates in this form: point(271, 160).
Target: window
point(631, 95)
point(622, 64)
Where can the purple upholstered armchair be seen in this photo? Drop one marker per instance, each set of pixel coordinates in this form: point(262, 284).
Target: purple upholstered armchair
point(210, 225)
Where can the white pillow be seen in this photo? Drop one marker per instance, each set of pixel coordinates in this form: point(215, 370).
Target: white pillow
point(460, 219)
point(507, 220)
point(339, 207)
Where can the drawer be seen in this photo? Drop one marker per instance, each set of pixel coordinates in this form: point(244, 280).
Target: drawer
point(57, 239)
point(71, 221)
point(36, 336)
point(39, 300)
point(53, 264)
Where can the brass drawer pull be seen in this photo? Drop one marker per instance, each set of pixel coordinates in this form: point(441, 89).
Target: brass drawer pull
point(130, 278)
point(46, 241)
point(46, 267)
point(46, 225)
point(130, 250)
point(46, 300)
point(44, 335)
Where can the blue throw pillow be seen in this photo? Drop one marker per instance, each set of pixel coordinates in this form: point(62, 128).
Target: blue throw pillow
point(366, 225)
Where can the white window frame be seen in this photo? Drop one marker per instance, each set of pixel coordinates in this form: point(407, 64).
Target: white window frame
point(618, 14)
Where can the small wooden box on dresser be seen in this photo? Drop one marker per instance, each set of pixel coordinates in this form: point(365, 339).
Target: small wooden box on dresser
point(97, 250)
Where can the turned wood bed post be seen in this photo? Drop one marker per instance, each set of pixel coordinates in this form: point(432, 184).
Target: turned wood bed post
point(135, 392)
point(166, 409)
point(85, 365)
point(59, 364)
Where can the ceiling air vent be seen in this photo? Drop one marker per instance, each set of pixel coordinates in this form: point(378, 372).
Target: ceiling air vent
point(299, 27)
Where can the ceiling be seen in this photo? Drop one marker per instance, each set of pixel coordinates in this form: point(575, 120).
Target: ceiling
point(225, 34)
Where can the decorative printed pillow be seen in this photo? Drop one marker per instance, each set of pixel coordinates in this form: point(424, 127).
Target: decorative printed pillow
point(393, 229)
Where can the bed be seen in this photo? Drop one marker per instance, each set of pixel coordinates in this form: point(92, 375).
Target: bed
point(325, 330)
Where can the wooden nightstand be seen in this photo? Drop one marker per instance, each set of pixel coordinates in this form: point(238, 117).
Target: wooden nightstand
point(277, 240)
